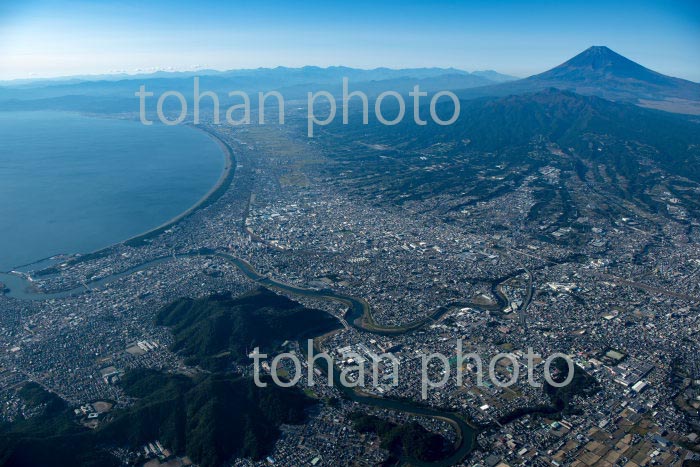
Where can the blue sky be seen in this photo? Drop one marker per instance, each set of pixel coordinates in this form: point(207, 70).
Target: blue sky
point(58, 38)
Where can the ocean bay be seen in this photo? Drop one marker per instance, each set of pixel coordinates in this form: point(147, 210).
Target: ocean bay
point(73, 184)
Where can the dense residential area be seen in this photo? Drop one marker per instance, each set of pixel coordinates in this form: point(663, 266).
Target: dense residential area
point(547, 221)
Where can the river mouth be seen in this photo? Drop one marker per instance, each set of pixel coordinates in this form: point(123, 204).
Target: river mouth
point(19, 285)
point(76, 184)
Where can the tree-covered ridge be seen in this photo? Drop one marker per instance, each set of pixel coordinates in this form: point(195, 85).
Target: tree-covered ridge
point(582, 384)
point(210, 418)
point(561, 398)
point(410, 440)
point(578, 124)
point(50, 436)
point(214, 331)
point(500, 147)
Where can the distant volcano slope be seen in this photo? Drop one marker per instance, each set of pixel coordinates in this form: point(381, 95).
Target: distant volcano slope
point(601, 72)
point(502, 146)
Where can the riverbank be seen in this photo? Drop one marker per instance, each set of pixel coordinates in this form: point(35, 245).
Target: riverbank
point(359, 313)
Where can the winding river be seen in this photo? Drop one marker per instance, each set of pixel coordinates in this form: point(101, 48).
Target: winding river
point(358, 315)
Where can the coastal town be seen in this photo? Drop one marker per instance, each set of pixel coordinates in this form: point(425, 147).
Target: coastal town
point(610, 284)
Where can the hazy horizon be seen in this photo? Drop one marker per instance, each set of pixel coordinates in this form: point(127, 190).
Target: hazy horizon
point(49, 39)
point(137, 73)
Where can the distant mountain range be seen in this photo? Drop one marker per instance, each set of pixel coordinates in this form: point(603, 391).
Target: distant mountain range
point(599, 71)
point(293, 83)
point(306, 73)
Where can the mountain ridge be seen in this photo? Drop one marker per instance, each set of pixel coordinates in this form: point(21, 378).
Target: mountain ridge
point(600, 71)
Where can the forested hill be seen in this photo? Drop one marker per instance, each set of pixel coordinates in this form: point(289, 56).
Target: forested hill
point(214, 331)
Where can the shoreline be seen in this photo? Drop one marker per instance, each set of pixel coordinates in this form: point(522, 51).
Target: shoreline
point(211, 196)
point(219, 188)
point(465, 429)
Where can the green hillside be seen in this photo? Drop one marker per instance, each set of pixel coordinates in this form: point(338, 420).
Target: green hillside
point(410, 440)
point(211, 418)
point(50, 436)
point(214, 331)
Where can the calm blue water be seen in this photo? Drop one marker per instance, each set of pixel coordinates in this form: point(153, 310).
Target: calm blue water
point(75, 184)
